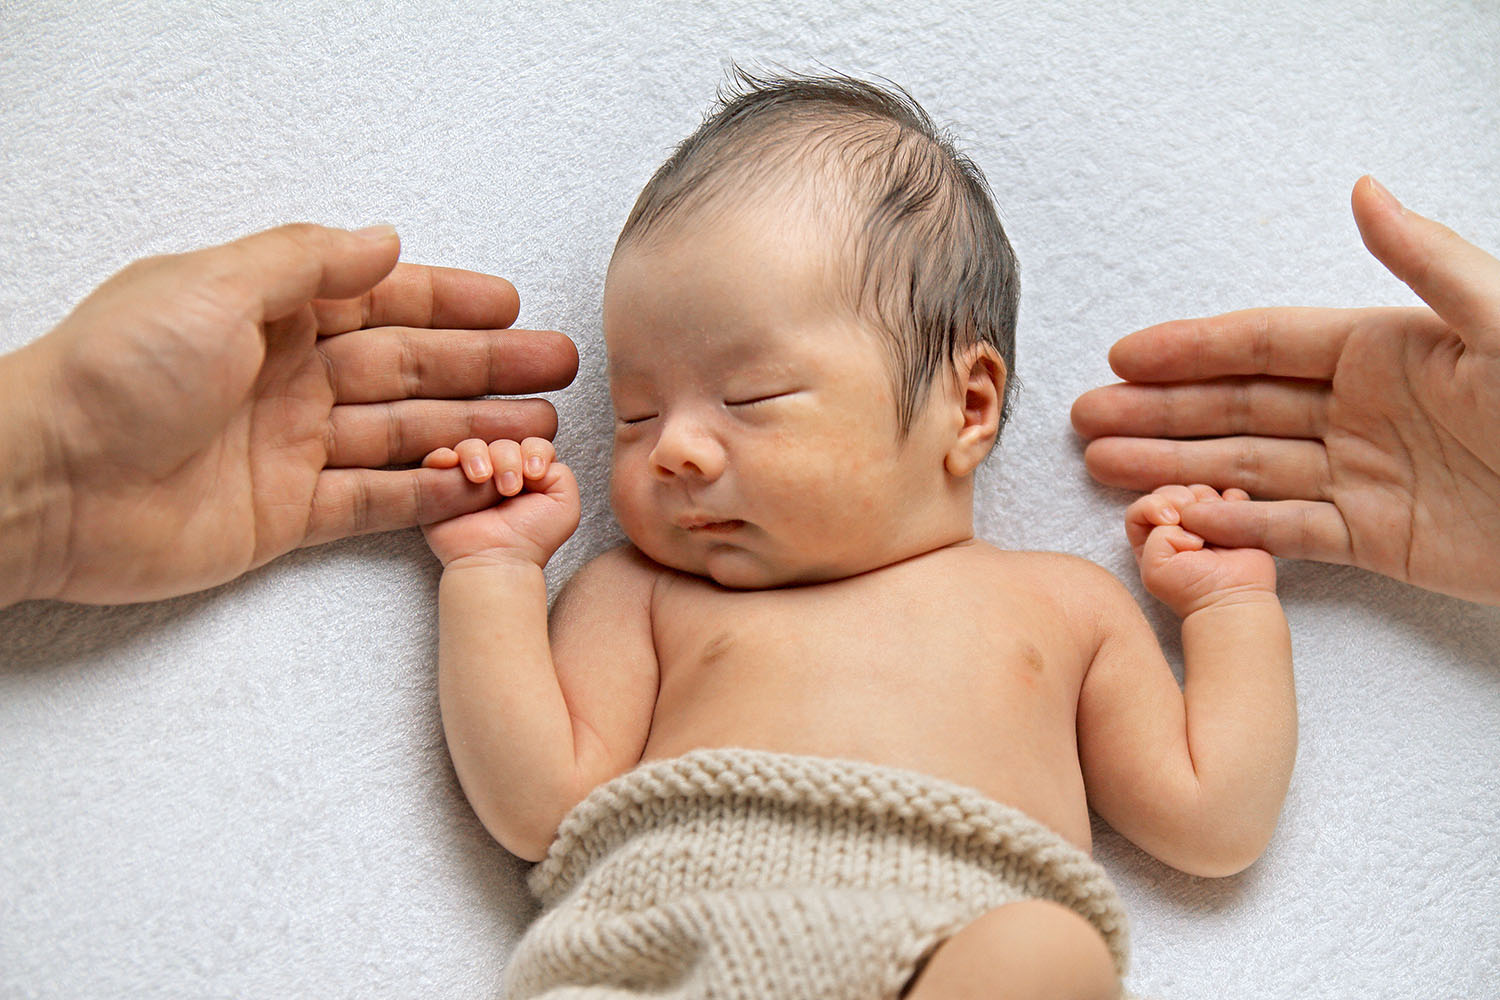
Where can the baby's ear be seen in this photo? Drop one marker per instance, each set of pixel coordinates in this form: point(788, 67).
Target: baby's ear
point(981, 383)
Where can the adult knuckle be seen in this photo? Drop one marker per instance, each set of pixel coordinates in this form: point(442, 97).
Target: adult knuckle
point(409, 364)
point(395, 438)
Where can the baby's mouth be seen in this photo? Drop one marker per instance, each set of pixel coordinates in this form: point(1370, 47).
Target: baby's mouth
point(708, 526)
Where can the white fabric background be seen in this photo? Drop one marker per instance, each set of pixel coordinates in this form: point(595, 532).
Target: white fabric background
point(246, 793)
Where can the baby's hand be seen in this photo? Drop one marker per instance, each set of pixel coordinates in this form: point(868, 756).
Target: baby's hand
point(537, 510)
point(1177, 567)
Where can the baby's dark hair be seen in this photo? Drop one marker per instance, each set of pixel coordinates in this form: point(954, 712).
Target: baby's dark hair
point(929, 259)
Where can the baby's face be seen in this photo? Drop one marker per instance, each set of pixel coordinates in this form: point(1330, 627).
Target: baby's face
point(756, 436)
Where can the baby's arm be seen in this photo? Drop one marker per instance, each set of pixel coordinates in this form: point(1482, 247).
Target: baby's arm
point(1197, 775)
point(533, 724)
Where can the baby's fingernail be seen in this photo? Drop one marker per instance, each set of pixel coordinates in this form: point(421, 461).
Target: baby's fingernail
point(534, 466)
point(376, 232)
point(474, 468)
point(509, 483)
point(1170, 515)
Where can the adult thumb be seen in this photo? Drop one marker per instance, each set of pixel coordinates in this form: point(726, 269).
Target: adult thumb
point(287, 267)
point(1457, 279)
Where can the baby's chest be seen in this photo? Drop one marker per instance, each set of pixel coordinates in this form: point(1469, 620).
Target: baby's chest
point(860, 651)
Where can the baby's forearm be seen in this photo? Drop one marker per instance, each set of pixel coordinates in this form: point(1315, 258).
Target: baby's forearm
point(1241, 723)
point(509, 729)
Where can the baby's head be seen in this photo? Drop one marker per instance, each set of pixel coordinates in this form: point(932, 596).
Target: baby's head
point(810, 316)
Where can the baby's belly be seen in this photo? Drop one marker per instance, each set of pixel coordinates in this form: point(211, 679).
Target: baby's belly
point(1010, 741)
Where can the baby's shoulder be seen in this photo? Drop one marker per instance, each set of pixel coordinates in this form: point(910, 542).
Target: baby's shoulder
point(1044, 565)
point(620, 576)
point(622, 561)
point(1071, 580)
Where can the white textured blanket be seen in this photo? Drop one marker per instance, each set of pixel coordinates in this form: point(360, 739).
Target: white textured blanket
point(246, 793)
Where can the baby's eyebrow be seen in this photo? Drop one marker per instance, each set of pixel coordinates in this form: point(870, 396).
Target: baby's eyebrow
point(730, 351)
point(618, 370)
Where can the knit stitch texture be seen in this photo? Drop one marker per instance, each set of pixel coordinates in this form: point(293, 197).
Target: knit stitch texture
point(733, 874)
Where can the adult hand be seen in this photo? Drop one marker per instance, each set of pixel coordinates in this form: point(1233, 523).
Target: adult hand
point(1369, 437)
point(200, 414)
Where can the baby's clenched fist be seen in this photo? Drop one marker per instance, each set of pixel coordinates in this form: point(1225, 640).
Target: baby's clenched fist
point(1178, 568)
point(536, 510)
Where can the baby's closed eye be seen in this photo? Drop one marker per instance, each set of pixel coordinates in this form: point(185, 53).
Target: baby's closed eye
point(757, 398)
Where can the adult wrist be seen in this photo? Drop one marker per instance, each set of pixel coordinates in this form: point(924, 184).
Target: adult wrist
point(33, 496)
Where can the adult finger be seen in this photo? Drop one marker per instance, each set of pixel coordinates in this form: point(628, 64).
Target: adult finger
point(374, 435)
point(285, 268)
point(1274, 468)
point(1292, 529)
point(1246, 405)
point(1291, 342)
point(1460, 281)
point(423, 296)
point(363, 501)
point(371, 366)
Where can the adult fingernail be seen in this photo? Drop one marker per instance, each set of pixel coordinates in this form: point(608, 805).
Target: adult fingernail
point(1384, 194)
point(376, 232)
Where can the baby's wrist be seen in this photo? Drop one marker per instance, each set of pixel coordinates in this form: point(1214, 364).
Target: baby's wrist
point(494, 560)
point(1247, 596)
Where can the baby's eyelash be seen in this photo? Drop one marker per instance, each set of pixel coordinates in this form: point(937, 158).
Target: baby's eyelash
point(757, 399)
point(632, 421)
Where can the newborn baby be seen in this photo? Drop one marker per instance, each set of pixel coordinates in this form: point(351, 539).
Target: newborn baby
point(806, 736)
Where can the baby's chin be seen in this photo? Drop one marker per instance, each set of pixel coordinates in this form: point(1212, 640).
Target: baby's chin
point(730, 566)
point(737, 568)
point(733, 569)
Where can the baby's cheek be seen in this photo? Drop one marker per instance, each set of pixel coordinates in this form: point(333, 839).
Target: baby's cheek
point(626, 501)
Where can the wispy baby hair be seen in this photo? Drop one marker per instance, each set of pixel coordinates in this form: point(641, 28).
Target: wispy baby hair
point(927, 257)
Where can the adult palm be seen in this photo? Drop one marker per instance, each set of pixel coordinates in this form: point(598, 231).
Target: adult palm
point(1368, 436)
point(201, 414)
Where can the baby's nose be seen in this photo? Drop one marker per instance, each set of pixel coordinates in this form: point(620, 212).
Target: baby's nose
point(686, 448)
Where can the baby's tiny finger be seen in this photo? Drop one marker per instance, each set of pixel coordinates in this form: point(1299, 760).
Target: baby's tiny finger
point(537, 453)
point(441, 458)
point(1157, 548)
point(1175, 494)
point(1234, 493)
point(1183, 540)
point(1204, 493)
point(1153, 508)
point(507, 458)
point(475, 458)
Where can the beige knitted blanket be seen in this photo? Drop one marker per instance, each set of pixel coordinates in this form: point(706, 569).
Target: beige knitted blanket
point(741, 874)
